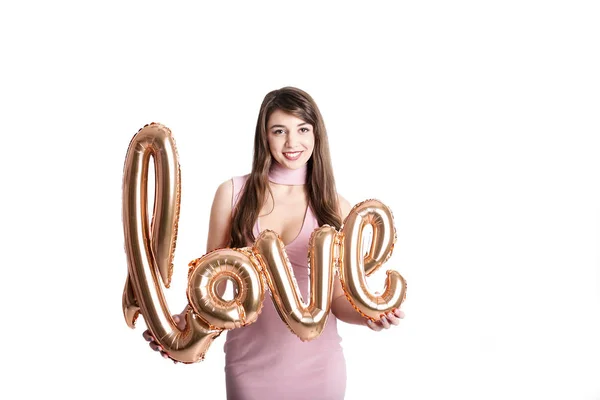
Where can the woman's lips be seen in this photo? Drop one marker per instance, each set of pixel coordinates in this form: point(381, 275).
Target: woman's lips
point(292, 155)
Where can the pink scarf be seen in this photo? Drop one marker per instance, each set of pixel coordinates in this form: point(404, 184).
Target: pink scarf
point(285, 176)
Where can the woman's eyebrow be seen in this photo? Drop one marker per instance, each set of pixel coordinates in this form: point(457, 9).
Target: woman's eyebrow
point(283, 126)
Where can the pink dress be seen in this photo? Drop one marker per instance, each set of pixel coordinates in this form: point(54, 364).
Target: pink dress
point(266, 361)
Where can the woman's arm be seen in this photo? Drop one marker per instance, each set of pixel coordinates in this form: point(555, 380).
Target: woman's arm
point(219, 227)
point(341, 307)
point(220, 224)
point(218, 237)
point(220, 217)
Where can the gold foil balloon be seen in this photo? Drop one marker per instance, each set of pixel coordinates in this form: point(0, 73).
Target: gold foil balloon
point(305, 320)
point(213, 268)
point(355, 266)
point(131, 310)
point(150, 249)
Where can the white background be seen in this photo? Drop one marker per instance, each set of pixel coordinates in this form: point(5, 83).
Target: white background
point(477, 123)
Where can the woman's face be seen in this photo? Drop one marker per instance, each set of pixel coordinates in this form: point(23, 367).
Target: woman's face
point(291, 140)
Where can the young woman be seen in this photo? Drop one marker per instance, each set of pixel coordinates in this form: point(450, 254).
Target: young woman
point(290, 190)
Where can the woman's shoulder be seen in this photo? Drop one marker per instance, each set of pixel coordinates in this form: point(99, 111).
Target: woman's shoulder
point(228, 191)
point(238, 181)
point(223, 193)
point(231, 183)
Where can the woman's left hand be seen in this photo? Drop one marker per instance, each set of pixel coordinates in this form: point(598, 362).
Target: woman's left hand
point(387, 320)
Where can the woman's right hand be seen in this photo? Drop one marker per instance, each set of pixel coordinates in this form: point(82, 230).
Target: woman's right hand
point(179, 320)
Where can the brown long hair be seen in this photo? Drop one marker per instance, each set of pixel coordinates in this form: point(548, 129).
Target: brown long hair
point(320, 183)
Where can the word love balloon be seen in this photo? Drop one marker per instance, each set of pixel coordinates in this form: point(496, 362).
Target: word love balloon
point(150, 248)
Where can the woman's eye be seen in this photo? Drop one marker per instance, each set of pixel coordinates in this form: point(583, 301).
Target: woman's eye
point(279, 131)
point(304, 130)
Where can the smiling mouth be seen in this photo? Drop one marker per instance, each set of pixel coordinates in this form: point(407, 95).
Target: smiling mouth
point(292, 155)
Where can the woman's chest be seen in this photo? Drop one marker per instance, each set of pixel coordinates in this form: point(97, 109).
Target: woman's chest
point(286, 217)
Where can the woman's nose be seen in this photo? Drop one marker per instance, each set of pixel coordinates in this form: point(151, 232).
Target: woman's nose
point(292, 139)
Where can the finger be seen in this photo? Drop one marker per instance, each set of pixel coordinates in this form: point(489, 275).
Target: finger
point(154, 346)
point(373, 326)
point(393, 319)
point(148, 336)
point(385, 323)
point(399, 313)
point(180, 322)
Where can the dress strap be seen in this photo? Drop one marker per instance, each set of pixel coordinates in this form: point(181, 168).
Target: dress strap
point(238, 185)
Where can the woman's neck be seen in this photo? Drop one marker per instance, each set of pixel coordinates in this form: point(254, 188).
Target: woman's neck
point(285, 176)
